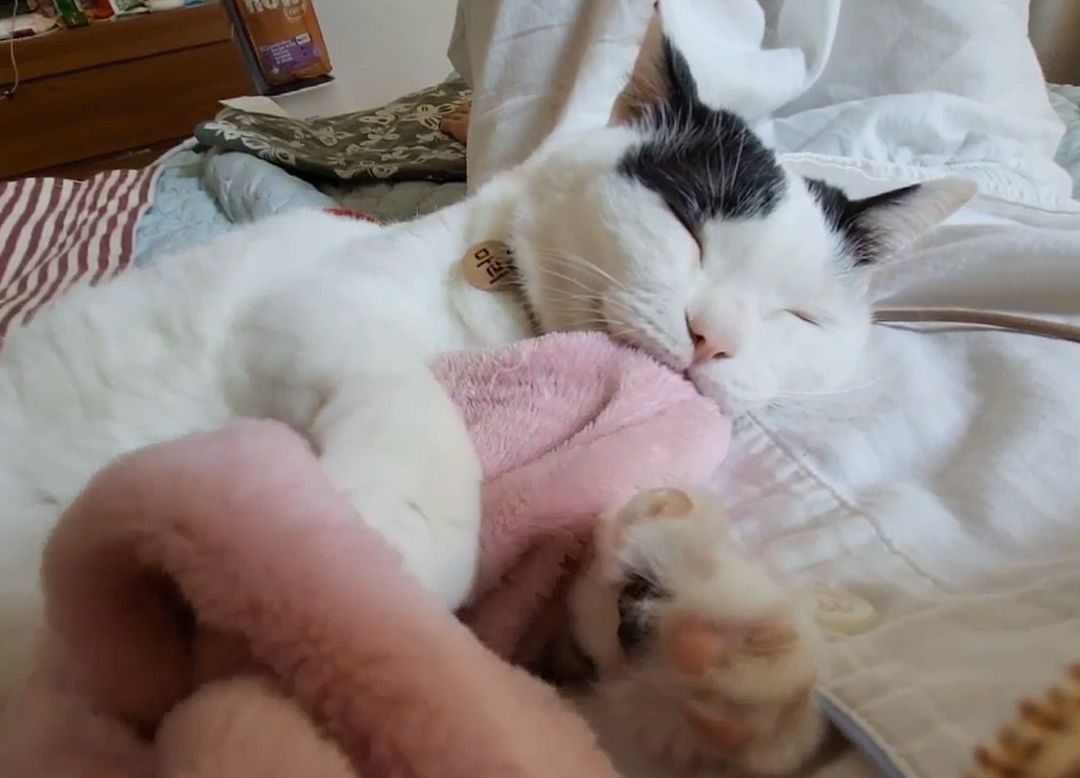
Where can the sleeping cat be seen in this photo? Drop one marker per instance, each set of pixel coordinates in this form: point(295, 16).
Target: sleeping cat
point(673, 229)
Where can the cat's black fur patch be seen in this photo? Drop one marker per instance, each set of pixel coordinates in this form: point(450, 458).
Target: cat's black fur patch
point(705, 163)
point(845, 216)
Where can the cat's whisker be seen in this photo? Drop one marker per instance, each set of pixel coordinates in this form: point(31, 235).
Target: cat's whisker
point(581, 315)
point(578, 261)
point(581, 303)
point(570, 308)
point(839, 392)
point(577, 306)
point(577, 282)
point(596, 325)
point(562, 295)
point(595, 302)
point(574, 262)
point(598, 322)
point(563, 277)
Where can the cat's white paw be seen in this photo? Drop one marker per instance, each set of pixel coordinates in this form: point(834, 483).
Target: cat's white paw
point(704, 658)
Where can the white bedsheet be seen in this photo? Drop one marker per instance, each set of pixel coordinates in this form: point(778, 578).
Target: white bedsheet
point(946, 490)
point(947, 495)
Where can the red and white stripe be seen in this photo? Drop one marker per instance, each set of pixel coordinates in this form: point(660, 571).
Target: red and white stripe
point(55, 232)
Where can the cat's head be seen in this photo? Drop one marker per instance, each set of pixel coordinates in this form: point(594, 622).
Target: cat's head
point(675, 229)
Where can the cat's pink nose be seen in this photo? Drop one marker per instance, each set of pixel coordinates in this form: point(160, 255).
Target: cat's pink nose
point(708, 345)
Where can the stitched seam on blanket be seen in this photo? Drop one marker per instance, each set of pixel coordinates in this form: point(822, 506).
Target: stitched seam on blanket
point(800, 464)
point(847, 708)
point(865, 736)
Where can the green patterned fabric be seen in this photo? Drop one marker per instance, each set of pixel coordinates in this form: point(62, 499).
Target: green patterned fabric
point(1066, 101)
point(400, 141)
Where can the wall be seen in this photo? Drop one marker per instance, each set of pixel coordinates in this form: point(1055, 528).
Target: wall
point(381, 49)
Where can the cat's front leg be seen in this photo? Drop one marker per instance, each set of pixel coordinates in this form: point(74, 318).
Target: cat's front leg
point(332, 358)
point(697, 651)
point(397, 445)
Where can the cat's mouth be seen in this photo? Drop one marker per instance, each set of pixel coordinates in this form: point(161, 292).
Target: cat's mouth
point(706, 387)
point(728, 403)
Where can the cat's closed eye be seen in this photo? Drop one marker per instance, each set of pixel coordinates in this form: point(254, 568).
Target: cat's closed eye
point(688, 226)
point(803, 316)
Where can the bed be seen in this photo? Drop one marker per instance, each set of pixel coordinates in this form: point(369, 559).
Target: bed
point(950, 504)
point(389, 163)
point(929, 532)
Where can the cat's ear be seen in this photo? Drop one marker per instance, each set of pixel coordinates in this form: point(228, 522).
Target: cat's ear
point(661, 75)
point(879, 228)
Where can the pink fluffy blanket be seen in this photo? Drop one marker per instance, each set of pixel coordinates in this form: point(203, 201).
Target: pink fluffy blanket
point(216, 609)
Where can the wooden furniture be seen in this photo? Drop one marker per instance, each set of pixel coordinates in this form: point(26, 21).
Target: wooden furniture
point(1055, 31)
point(117, 93)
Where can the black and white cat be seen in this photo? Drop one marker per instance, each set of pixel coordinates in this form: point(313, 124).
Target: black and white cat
point(673, 229)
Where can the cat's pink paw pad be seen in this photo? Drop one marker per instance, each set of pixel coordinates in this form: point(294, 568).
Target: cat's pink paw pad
point(707, 654)
point(697, 647)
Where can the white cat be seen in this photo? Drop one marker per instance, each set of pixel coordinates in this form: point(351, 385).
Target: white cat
point(673, 229)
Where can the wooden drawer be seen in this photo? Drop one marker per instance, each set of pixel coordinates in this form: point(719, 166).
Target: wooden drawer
point(115, 88)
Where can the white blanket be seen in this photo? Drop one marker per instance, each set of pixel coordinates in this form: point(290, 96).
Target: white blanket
point(904, 89)
point(946, 491)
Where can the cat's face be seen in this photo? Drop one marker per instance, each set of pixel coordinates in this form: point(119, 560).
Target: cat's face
point(678, 231)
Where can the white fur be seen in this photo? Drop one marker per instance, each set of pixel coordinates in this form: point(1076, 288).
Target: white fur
point(644, 698)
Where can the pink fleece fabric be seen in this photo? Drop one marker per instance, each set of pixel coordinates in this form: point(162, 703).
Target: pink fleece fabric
point(215, 607)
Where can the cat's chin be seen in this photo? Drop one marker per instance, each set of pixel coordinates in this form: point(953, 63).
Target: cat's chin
point(728, 403)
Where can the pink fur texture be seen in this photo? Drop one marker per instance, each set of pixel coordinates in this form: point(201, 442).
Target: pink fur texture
point(217, 592)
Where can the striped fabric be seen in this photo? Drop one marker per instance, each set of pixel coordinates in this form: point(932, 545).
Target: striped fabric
point(55, 232)
point(349, 213)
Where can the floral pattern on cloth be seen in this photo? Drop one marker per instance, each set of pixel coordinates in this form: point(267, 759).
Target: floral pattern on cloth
point(400, 141)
